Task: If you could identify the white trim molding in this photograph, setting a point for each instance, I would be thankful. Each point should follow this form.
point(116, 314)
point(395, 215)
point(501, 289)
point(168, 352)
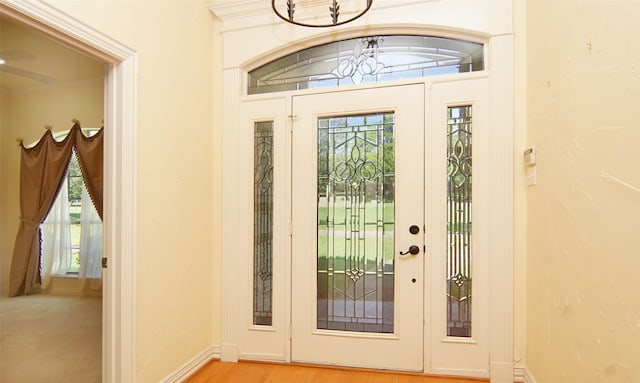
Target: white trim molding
point(501, 262)
point(118, 329)
point(193, 365)
point(523, 375)
point(490, 22)
point(230, 148)
point(120, 214)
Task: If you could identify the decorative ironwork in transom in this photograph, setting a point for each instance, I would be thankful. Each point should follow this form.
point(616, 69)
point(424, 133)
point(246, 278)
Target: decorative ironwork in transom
point(368, 59)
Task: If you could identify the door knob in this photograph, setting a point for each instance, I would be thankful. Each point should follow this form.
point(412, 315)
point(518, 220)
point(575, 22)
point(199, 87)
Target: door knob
point(413, 250)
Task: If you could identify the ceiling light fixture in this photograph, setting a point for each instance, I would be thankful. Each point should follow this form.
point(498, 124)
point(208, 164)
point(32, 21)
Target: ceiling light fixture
point(291, 11)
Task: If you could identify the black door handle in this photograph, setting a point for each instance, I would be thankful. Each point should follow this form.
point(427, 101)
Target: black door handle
point(413, 250)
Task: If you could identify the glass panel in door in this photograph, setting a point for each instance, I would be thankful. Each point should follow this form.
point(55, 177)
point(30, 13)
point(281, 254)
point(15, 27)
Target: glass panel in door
point(263, 223)
point(355, 222)
point(459, 220)
point(459, 212)
point(357, 293)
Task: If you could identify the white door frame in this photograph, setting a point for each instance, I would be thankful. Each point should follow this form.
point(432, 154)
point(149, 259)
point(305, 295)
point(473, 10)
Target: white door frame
point(444, 352)
point(404, 348)
point(271, 343)
point(488, 22)
point(120, 102)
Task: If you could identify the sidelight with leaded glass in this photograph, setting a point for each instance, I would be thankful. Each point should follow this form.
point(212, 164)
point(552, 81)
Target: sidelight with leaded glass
point(459, 220)
point(263, 223)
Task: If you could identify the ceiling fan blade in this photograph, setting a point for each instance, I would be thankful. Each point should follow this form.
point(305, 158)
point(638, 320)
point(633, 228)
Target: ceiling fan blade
point(26, 74)
point(15, 55)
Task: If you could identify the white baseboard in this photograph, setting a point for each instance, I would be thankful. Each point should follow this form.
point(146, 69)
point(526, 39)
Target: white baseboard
point(63, 285)
point(229, 352)
point(523, 375)
point(482, 374)
point(501, 372)
point(193, 365)
point(280, 358)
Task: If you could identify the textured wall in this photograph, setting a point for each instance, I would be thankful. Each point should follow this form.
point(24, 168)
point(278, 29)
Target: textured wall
point(583, 251)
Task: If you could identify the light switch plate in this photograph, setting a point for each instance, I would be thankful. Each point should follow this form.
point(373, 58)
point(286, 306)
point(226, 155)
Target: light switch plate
point(530, 156)
point(532, 176)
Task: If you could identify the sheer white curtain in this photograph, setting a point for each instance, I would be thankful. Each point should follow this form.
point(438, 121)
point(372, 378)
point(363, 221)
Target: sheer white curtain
point(56, 238)
point(90, 275)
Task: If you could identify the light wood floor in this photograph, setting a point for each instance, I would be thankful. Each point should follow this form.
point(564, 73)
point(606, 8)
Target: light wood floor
point(249, 372)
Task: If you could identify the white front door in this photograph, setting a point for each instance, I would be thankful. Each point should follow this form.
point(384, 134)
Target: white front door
point(358, 228)
point(376, 172)
point(375, 236)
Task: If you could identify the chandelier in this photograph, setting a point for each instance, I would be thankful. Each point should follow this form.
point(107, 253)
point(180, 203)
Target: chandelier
point(320, 13)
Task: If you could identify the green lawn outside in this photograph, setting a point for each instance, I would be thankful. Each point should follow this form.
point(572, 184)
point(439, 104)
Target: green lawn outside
point(371, 213)
point(74, 211)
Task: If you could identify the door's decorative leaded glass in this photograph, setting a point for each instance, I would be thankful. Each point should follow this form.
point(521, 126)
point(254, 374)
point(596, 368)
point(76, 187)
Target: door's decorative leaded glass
point(356, 223)
point(367, 59)
point(459, 221)
point(263, 223)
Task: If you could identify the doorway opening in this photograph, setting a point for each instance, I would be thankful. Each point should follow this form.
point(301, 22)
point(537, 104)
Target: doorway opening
point(118, 335)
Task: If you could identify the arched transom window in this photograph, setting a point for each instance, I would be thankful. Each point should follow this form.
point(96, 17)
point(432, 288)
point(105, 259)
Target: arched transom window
point(367, 59)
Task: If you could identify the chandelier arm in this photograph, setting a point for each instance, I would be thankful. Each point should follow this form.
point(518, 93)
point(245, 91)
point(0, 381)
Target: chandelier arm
point(333, 14)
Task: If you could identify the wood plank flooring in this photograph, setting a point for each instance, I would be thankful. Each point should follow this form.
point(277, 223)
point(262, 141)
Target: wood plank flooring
point(252, 372)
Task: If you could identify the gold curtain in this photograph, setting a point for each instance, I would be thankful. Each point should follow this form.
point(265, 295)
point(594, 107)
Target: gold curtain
point(42, 169)
point(90, 158)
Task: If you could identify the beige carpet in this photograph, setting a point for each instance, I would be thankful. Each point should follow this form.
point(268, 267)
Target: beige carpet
point(46, 338)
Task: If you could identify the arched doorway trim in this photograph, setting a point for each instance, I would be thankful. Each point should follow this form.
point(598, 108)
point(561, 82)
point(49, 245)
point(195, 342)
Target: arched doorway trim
point(355, 32)
point(372, 58)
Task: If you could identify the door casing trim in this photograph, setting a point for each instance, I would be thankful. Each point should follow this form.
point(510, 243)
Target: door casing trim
point(494, 27)
point(120, 106)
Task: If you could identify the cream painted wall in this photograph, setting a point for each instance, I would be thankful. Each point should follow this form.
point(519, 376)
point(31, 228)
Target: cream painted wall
point(583, 321)
point(218, 94)
point(5, 149)
point(178, 152)
point(24, 114)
